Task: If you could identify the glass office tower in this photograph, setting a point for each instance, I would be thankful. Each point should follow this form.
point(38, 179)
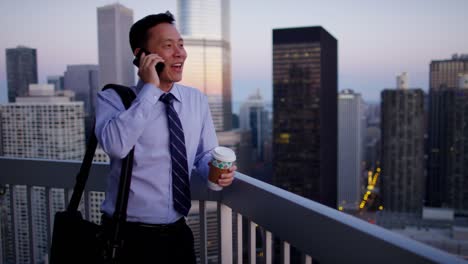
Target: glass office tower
point(447, 133)
point(204, 25)
point(305, 84)
point(402, 179)
point(21, 67)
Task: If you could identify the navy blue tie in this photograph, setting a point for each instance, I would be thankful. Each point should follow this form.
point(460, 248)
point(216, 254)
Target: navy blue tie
point(180, 176)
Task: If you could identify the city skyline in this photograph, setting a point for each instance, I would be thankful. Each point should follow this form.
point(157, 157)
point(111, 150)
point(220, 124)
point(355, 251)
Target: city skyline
point(296, 61)
point(375, 40)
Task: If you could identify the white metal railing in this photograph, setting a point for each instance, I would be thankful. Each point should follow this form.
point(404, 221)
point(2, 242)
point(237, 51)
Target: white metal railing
point(317, 231)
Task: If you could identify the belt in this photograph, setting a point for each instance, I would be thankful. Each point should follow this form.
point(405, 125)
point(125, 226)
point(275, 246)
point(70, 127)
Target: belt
point(179, 223)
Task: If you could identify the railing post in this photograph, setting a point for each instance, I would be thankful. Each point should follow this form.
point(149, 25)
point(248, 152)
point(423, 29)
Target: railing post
point(286, 253)
point(240, 254)
point(252, 243)
point(203, 236)
point(268, 248)
point(226, 234)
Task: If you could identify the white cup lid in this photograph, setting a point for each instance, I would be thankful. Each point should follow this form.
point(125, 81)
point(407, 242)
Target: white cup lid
point(224, 154)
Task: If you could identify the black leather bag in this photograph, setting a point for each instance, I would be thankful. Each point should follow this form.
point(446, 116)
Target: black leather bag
point(77, 240)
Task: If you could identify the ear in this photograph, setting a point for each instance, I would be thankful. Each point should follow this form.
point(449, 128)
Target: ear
point(135, 52)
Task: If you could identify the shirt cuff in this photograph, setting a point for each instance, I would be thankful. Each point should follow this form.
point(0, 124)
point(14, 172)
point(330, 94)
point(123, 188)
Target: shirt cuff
point(150, 93)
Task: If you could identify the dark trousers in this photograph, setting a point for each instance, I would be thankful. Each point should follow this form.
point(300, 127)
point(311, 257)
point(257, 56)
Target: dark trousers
point(171, 243)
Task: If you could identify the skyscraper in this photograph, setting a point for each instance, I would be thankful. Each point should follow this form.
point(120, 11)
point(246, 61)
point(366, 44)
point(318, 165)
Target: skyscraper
point(305, 112)
point(83, 80)
point(204, 25)
point(446, 136)
point(402, 126)
point(115, 56)
point(41, 125)
point(350, 149)
point(21, 70)
point(254, 117)
point(447, 175)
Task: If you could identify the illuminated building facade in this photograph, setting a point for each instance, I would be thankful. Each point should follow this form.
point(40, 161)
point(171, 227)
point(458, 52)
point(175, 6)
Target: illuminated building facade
point(305, 113)
point(204, 25)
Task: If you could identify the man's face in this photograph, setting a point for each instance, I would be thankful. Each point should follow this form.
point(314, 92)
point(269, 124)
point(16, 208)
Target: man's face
point(165, 40)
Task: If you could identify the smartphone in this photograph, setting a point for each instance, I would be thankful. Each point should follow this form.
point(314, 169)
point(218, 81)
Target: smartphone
point(136, 61)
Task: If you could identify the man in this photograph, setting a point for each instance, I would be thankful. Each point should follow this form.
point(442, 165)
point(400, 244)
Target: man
point(171, 127)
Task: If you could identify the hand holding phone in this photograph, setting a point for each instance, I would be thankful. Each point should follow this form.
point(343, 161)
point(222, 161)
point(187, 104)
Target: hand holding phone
point(136, 61)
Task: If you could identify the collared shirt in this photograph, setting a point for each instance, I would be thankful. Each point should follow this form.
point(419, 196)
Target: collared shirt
point(144, 125)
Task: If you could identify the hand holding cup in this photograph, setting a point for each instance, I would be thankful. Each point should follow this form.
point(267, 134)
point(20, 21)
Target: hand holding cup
point(221, 164)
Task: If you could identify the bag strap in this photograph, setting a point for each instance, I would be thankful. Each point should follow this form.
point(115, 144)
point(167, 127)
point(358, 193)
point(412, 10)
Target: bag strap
point(120, 212)
point(127, 96)
point(115, 242)
point(82, 175)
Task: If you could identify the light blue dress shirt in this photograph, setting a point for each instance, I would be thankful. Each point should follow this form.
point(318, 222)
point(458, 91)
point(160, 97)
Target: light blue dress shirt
point(144, 125)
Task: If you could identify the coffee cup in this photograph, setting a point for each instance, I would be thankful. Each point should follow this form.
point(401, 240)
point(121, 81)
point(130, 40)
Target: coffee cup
point(223, 159)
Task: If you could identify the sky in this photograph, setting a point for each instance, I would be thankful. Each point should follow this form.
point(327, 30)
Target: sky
point(377, 39)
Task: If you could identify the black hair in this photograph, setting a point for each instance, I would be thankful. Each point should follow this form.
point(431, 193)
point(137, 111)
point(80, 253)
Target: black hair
point(139, 31)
